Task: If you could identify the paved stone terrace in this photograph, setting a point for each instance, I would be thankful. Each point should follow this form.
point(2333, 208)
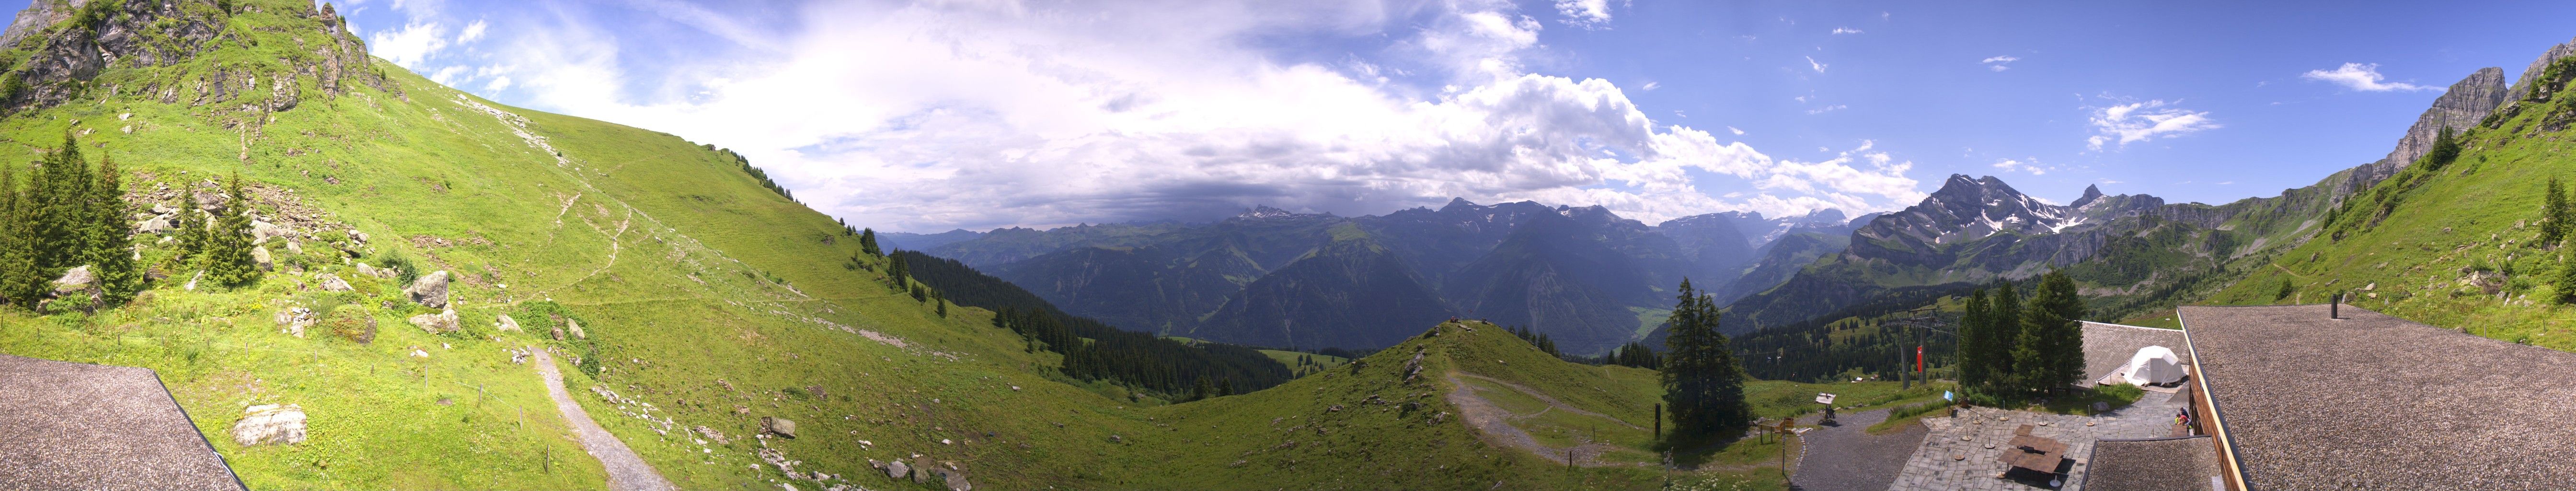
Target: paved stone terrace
point(1936, 466)
point(2371, 401)
point(82, 426)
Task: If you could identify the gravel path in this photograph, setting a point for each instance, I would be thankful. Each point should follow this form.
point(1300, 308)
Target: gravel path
point(626, 471)
point(1845, 457)
point(1494, 423)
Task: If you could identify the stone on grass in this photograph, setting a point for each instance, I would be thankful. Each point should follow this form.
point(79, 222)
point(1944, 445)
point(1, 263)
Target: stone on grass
point(778, 426)
point(333, 283)
point(270, 423)
point(294, 248)
point(75, 280)
point(509, 324)
point(575, 326)
point(260, 231)
point(156, 225)
point(897, 469)
point(444, 321)
point(921, 471)
point(430, 290)
point(956, 480)
point(260, 256)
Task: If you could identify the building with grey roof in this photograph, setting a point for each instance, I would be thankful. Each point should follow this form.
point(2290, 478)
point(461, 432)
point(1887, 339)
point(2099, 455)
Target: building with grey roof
point(2303, 401)
point(66, 426)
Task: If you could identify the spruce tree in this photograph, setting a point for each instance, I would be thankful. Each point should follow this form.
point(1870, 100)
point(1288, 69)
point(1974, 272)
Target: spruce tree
point(1974, 327)
point(940, 299)
point(868, 242)
point(899, 275)
point(20, 281)
point(2051, 351)
point(59, 195)
point(2566, 281)
point(228, 258)
point(2004, 370)
point(191, 232)
point(2553, 213)
point(111, 243)
point(1703, 384)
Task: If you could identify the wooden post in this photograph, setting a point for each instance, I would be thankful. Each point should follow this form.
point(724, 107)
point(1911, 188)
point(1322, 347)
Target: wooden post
point(1659, 421)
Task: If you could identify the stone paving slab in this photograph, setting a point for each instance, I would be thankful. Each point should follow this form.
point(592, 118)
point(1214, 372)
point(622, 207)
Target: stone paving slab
point(1937, 466)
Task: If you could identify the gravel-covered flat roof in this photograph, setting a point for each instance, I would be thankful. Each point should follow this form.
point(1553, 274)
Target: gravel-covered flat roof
point(2371, 401)
point(2108, 346)
point(82, 426)
point(2164, 464)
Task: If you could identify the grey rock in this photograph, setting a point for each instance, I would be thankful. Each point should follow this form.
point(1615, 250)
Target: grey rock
point(956, 480)
point(2522, 85)
point(270, 423)
point(212, 202)
point(157, 225)
point(576, 329)
point(509, 324)
point(778, 426)
point(444, 321)
point(163, 209)
point(75, 280)
point(429, 291)
point(921, 470)
point(294, 248)
point(261, 231)
point(898, 470)
point(333, 283)
point(260, 255)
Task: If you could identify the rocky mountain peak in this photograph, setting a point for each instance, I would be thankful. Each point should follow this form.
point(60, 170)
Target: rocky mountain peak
point(2469, 100)
point(2522, 85)
point(2091, 193)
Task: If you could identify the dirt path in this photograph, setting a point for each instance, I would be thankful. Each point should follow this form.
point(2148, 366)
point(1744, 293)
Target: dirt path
point(1844, 456)
point(626, 471)
point(1493, 423)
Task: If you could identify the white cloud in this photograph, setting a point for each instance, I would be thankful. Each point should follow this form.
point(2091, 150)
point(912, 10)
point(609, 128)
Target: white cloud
point(1650, 86)
point(473, 32)
point(1584, 14)
point(2141, 121)
point(1999, 63)
point(2362, 77)
point(408, 46)
point(1737, 131)
point(1846, 30)
point(1827, 109)
point(2030, 165)
point(498, 84)
point(1018, 115)
point(1811, 62)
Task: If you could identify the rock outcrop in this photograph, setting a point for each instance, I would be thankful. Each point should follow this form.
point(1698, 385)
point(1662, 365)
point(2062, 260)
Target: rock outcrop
point(77, 279)
point(442, 322)
point(2459, 108)
point(430, 290)
point(65, 56)
point(270, 424)
point(2522, 85)
point(333, 283)
point(507, 324)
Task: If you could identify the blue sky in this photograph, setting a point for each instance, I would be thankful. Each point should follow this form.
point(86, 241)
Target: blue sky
point(979, 114)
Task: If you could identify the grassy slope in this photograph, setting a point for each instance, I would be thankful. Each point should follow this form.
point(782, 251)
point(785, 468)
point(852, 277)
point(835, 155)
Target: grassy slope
point(2476, 213)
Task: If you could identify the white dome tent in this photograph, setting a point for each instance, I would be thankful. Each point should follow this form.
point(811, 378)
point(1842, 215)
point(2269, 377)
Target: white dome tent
point(2152, 365)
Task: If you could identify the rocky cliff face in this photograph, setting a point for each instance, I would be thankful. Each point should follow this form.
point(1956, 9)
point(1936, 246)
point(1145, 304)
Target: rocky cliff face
point(2522, 85)
point(2459, 108)
point(74, 42)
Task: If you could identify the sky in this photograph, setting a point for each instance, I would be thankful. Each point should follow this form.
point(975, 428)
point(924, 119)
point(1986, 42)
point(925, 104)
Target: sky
point(932, 115)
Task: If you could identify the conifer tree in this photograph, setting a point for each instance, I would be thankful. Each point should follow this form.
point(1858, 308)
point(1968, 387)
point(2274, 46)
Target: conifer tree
point(2051, 350)
point(59, 195)
point(20, 281)
point(897, 274)
point(868, 242)
point(941, 300)
point(1703, 384)
point(191, 232)
point(2566, 282)
point(228, 258)
point(111, 243)
point(2004, 369)
point(2553, 213)
point(1974, 327)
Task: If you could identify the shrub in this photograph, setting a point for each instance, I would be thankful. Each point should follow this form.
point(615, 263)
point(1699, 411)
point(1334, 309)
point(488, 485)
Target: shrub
point(353, 324)
point(404, 273)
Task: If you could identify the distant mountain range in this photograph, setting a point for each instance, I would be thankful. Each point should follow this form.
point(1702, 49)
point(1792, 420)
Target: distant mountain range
point(1587, 277)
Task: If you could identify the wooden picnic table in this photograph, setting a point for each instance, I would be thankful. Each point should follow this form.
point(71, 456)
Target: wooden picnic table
point(2040, 445)
point(2037, 462)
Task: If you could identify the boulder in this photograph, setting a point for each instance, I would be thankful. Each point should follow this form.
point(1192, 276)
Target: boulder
point(558, 334)
point(509, 324)
point(157, 225)
point(333, 283)
point(956, 480)
point(75, 280)
point(266, 262)
point(294, 248)
point(295, 320)
point(212, 202)
point(270, 423)
point(897, 469)
point(430, 290)
point(921, 470)
point(778, 426)
point(444, 321)
point(261, 231)
point(576, 329)
point(385, 273)
point(163, 209)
